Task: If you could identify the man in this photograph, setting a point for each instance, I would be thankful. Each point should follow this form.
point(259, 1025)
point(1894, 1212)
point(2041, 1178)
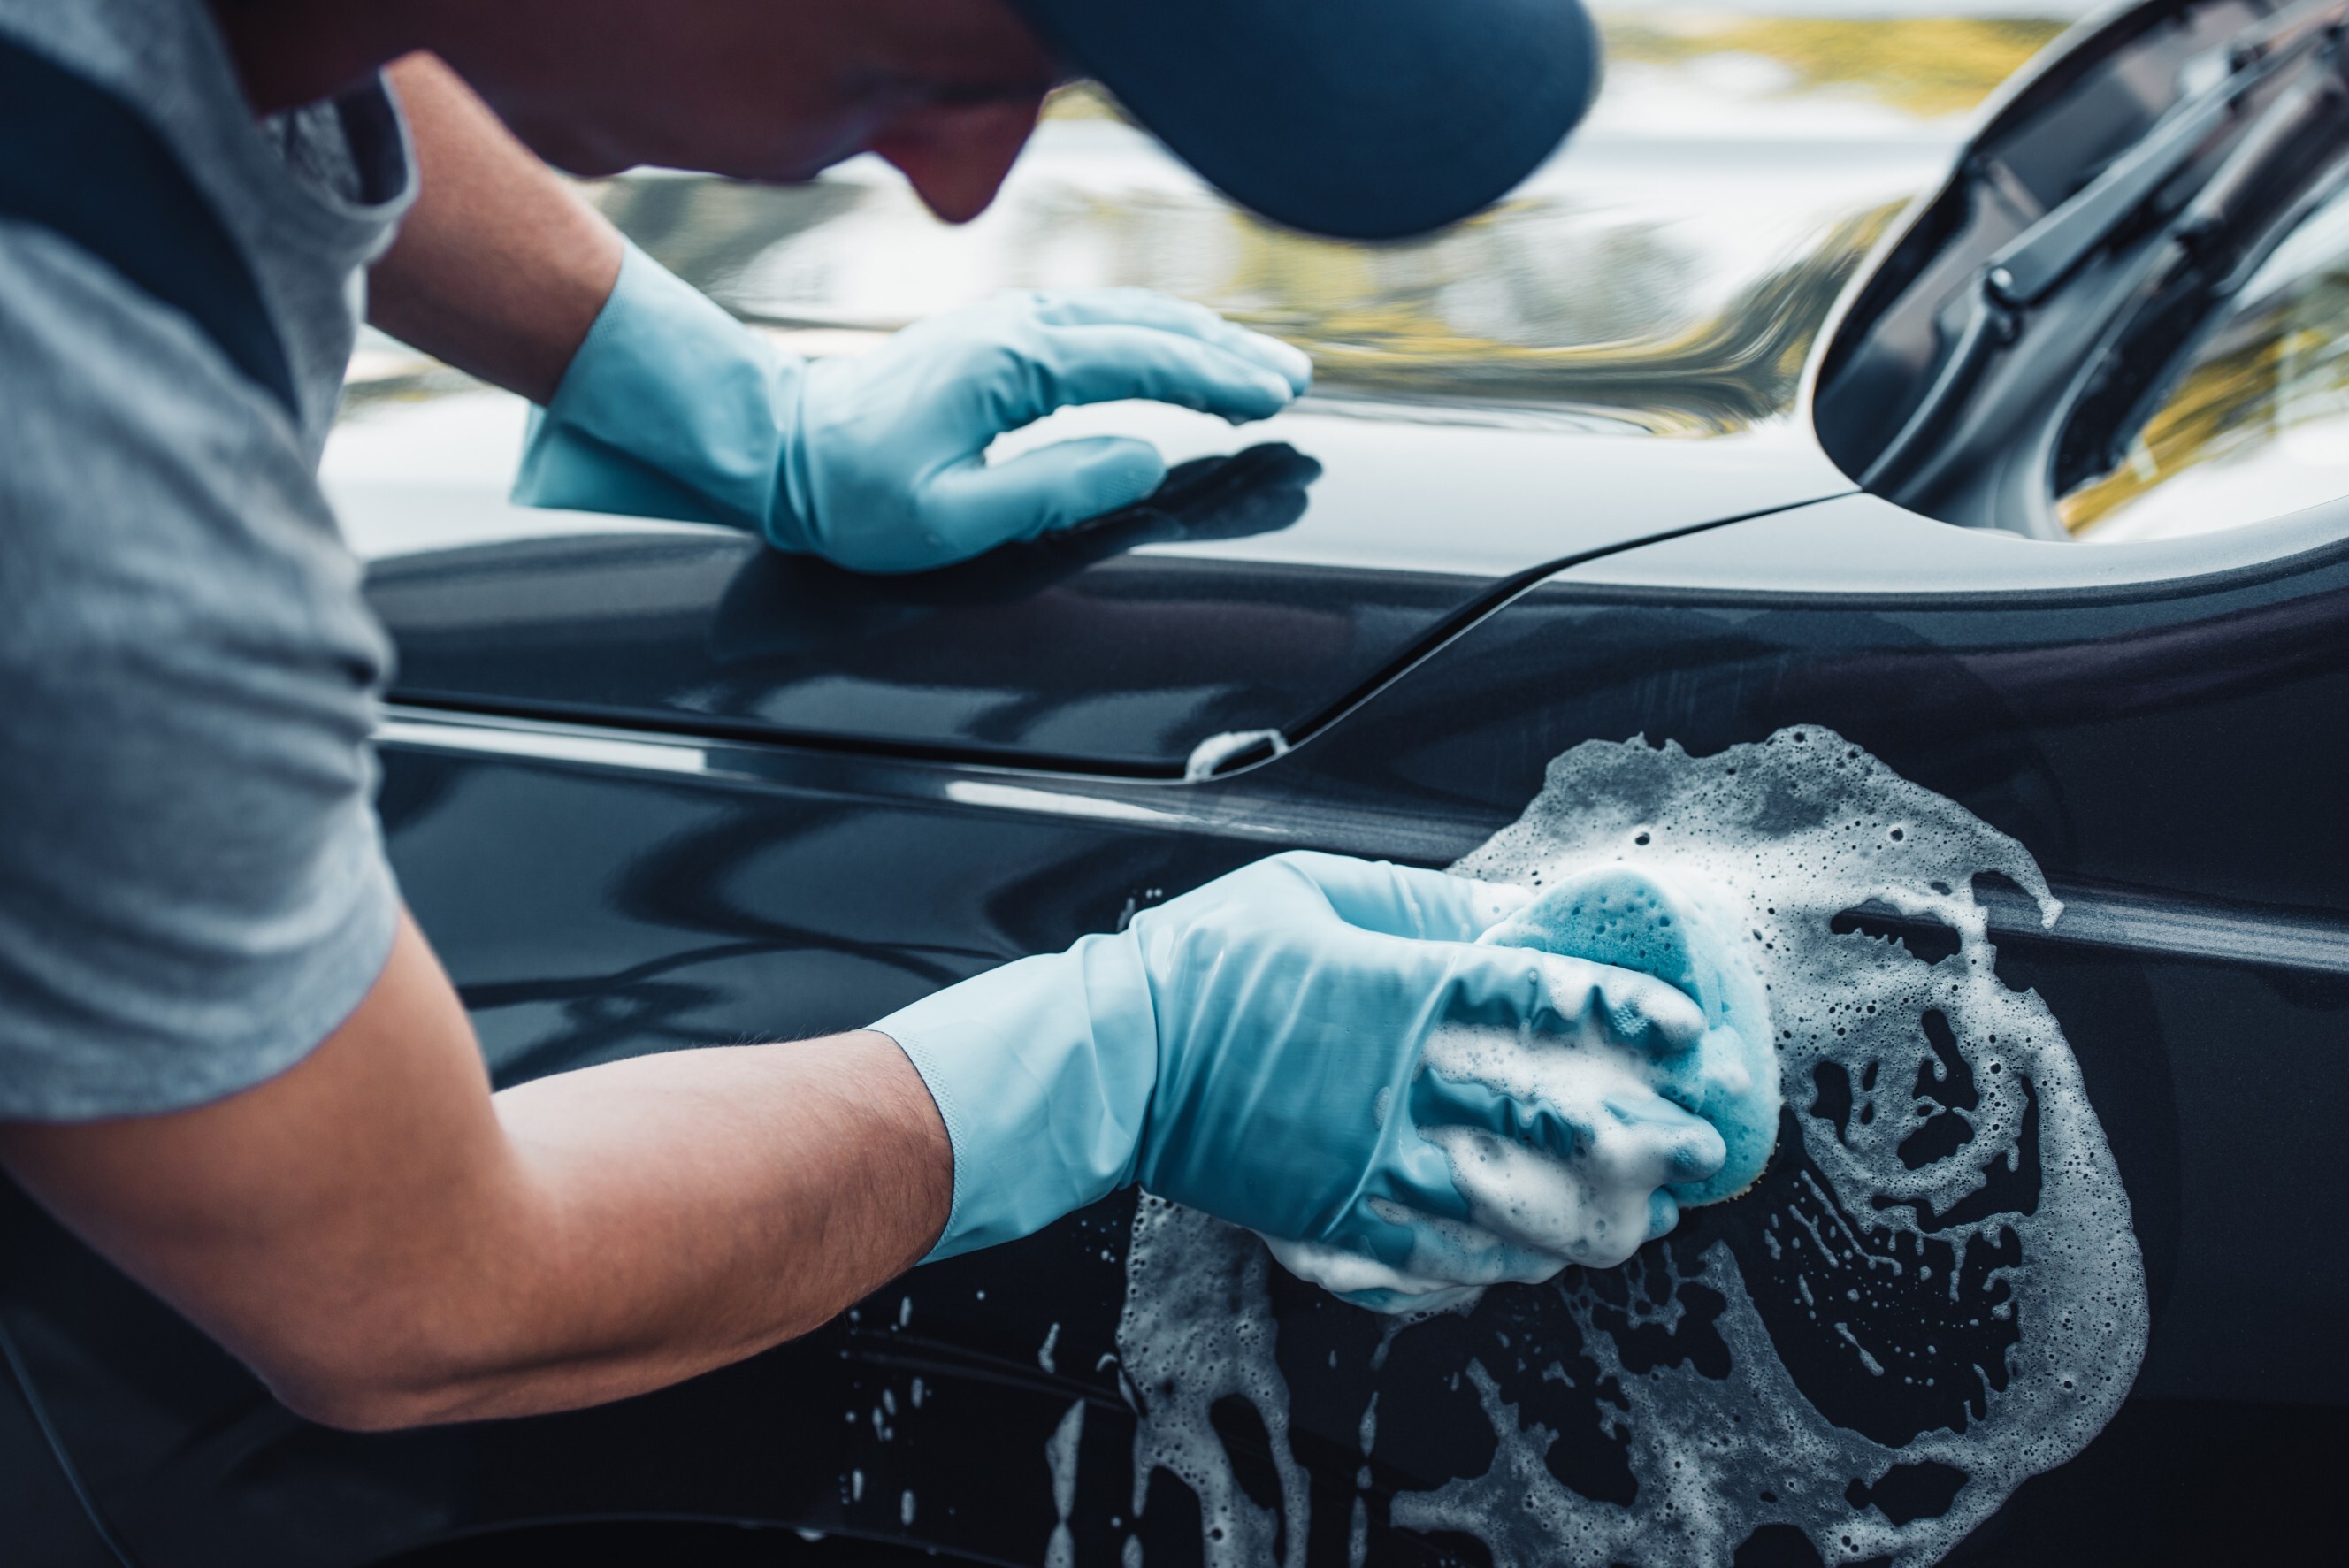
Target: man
point(230, 1062)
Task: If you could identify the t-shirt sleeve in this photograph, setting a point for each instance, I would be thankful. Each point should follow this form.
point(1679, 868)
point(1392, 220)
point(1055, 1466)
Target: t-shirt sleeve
point(192, 886)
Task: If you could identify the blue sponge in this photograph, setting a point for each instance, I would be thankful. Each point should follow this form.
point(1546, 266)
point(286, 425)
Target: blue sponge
point(1663, 926)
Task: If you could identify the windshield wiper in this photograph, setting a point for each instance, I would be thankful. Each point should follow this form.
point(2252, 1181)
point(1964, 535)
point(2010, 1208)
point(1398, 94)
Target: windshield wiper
point(2293, 162)
point(2041, 256)
point(2030, 266)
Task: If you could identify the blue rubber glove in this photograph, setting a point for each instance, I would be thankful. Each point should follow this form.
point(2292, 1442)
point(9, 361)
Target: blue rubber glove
point(1258, 1050)
point(672, 408)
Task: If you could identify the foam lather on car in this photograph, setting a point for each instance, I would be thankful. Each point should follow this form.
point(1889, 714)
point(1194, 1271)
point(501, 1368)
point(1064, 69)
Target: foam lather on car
point(1933, 1292)
point(1668, 927)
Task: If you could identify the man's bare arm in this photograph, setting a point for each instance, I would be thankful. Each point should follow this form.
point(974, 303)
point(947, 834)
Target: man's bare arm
point(388, 1244)
point(501, 267)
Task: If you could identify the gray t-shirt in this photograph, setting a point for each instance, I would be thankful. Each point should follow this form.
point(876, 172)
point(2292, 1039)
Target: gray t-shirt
point(192, 887)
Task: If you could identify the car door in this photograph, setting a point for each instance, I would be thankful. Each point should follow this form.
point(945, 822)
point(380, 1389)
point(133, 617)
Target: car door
point(2099, 707)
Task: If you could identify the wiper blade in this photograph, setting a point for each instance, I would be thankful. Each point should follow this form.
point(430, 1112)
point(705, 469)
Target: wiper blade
point(2293, 162)
point(2031, 264)
point(2028, 267)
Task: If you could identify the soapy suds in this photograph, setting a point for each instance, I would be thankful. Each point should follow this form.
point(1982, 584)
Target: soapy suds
point(1933, 1292)
point(1061, 1459)
point(1195, 1331)
point(1535, 1213)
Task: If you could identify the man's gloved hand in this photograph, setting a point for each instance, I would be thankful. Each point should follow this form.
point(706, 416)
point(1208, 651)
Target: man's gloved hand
point(672, 408)
point(1258, 1050)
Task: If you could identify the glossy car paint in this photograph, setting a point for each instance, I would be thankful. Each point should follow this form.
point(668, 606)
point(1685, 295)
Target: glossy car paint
point(1269, 587)
point(2160, 729)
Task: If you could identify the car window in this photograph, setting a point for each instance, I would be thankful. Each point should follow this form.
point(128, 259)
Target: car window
point(2258, 424)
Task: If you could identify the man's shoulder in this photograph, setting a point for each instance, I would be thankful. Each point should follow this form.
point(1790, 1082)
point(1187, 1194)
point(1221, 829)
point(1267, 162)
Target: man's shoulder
point(277, 213)
point(80, 162)
point(143, 478)
point(132, 47)
point(89, 359)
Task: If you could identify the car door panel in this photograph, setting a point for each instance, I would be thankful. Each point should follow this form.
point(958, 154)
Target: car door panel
point(602, 892)
point(1125, 668)
point(2203, 970)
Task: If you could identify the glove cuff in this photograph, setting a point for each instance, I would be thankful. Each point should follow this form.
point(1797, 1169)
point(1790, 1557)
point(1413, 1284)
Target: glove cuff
point(1043, 1071)
point(670, 408)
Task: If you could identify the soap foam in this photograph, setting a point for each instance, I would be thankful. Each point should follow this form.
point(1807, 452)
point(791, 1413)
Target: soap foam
point(1195, 1331)
point(1934, 1292)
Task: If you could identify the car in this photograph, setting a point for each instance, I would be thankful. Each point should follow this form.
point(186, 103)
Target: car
point(2010, 458)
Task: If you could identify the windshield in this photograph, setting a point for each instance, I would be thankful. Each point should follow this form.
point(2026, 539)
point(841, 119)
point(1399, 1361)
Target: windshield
point(2258, 425)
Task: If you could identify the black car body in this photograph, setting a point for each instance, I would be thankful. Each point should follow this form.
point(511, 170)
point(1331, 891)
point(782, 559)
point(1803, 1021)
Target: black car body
point(649, 786)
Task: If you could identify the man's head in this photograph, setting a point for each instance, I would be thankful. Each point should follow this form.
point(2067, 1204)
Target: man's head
point(947, 91)
point(1365, 118)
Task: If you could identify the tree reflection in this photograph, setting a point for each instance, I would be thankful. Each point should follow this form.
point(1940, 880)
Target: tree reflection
point(1551, 301)
point(1923, 65)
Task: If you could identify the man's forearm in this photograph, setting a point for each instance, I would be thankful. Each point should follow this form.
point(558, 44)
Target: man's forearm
point(501, 267)
point(388, 1245)
point(714, 1203)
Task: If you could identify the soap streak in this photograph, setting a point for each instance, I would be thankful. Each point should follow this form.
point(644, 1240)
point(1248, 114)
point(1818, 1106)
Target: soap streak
point(1061, 1459)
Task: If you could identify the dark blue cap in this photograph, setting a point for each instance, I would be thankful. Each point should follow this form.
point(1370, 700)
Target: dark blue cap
point(1365, 119)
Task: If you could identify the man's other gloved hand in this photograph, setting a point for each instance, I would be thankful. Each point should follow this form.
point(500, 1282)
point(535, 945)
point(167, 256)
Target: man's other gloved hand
point(1257, 1049)
point(672, 408)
